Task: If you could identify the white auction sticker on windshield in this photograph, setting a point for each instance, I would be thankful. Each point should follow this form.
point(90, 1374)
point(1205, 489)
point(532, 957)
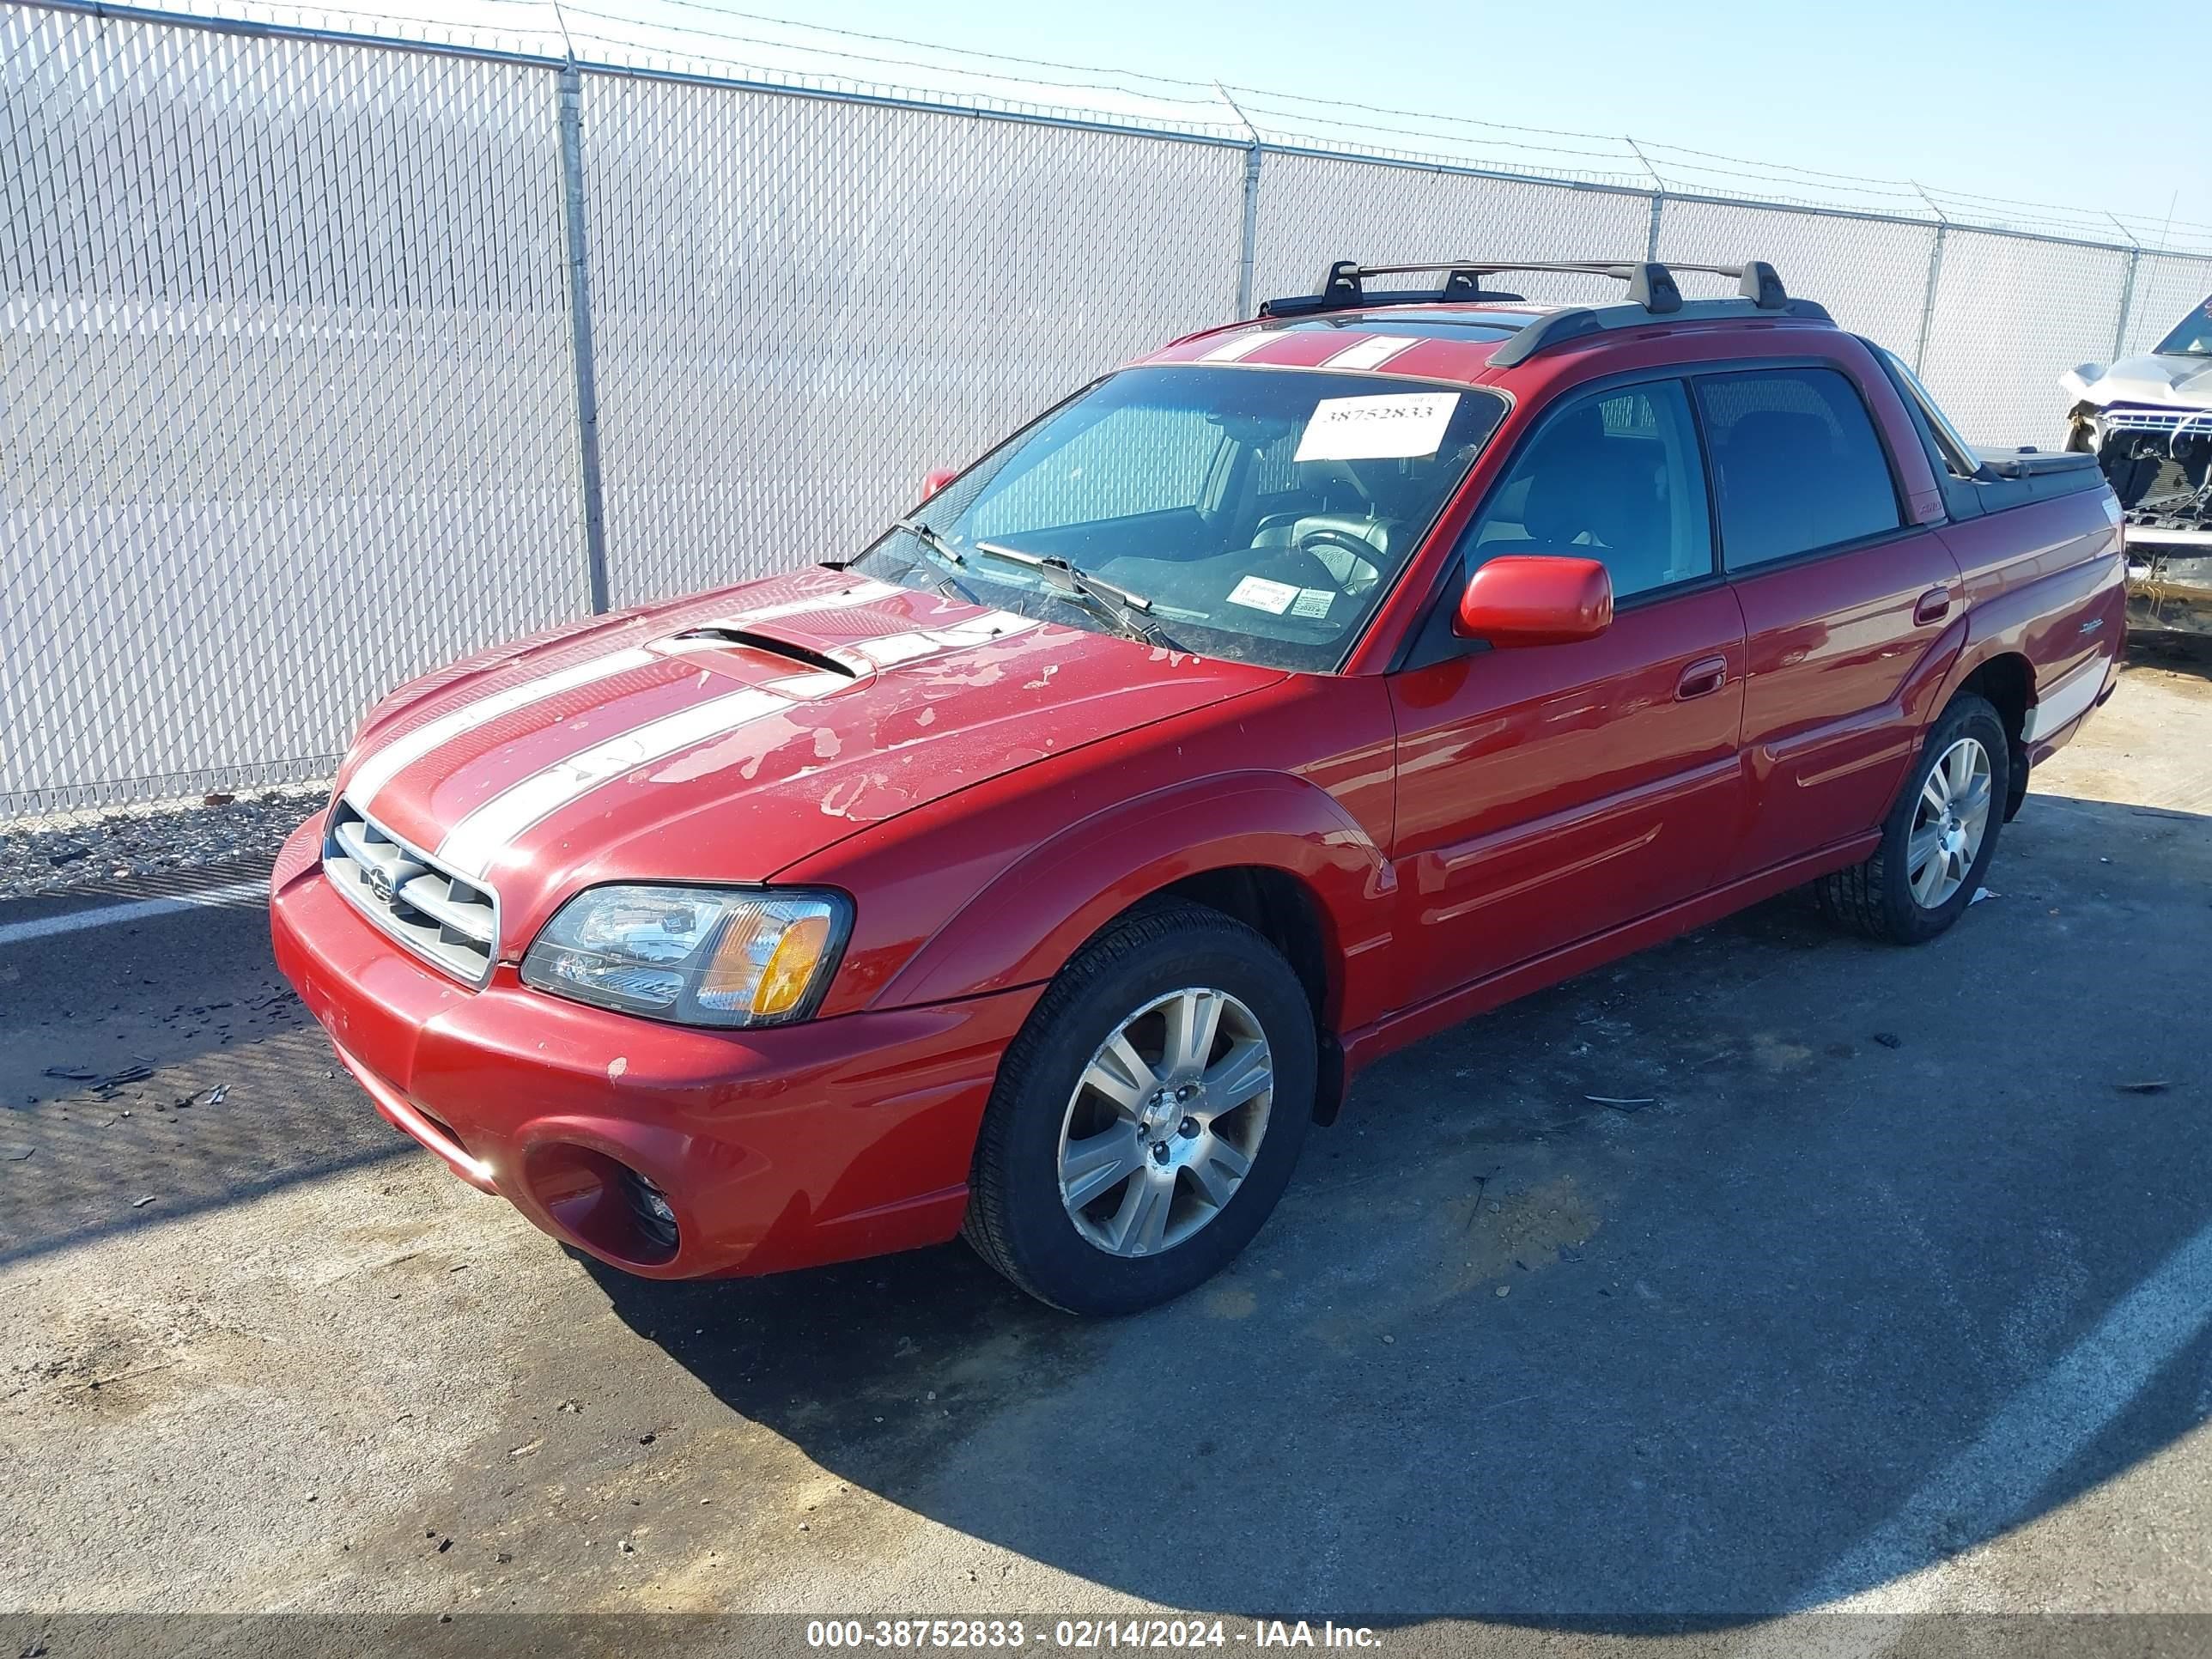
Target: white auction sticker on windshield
point(1376, 428)
point(1260, 594)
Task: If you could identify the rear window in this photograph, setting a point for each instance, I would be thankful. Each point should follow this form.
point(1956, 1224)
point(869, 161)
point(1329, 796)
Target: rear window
point(1796, 462)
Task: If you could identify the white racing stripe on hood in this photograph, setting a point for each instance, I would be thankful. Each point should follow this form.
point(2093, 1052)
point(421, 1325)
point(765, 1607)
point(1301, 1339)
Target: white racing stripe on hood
point(404, 750)
point(807, 688)
point(890, 650)
point(865, 591)
point(472, 844)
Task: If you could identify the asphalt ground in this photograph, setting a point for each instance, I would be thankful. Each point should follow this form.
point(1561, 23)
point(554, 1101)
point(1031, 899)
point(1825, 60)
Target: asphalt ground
point(1886, 1325)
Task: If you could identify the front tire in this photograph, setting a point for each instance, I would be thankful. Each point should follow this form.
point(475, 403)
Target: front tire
point(1147, 1116)
point(1938, 836)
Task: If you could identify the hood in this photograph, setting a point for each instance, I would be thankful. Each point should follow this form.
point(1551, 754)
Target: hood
point(725, 737)
point(2159, 381)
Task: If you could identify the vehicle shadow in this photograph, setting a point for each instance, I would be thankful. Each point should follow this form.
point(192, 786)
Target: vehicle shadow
point(2180, 651)
point(163, 1070)
point(1759, 1270)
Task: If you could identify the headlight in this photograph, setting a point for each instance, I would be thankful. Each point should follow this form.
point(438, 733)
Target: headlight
point(699, 955)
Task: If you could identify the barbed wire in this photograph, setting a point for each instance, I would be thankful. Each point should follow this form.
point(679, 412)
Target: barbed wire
point(719, 41)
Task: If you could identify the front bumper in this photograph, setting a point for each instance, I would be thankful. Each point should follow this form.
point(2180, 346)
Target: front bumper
point(781, 1148)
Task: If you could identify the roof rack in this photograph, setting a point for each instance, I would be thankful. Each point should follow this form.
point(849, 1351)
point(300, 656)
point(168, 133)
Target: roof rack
point(1651, 292)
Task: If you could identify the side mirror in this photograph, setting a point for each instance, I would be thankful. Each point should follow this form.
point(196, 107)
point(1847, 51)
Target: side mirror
point(936, 479)
point(1521, 599)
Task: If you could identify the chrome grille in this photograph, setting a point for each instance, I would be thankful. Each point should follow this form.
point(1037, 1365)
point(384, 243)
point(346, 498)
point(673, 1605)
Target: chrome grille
point(447, 921)
point(2174, 421)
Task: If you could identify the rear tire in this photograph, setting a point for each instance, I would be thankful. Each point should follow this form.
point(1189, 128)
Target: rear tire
point(1938, 836)
point(1057, 1203)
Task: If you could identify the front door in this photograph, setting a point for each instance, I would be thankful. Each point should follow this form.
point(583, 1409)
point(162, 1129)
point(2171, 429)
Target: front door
point(1547, 793)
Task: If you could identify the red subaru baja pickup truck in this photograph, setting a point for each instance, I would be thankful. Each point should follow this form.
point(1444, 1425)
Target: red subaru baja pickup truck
point(1045, 871)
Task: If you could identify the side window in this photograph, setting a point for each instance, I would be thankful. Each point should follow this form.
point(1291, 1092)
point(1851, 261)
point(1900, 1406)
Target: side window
point(1137, 459)
point(1612, 475)
point(1796, 463)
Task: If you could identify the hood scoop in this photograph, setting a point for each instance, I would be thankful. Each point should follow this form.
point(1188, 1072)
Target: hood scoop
point(753, 639)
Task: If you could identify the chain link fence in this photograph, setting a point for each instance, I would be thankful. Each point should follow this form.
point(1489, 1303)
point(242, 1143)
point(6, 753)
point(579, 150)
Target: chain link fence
point(324, 360)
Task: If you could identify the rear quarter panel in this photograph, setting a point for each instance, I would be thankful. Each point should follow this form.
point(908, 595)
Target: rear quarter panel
point(2047, 580)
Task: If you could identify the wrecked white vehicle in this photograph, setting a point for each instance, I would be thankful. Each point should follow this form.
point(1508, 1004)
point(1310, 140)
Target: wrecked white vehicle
point(2148, 422)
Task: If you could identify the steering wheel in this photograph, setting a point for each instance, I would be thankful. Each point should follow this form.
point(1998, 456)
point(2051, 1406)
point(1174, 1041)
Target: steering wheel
point(1364, 557)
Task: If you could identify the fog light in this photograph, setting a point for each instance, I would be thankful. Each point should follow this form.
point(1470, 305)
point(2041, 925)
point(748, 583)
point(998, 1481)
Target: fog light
point(649, 1208)
point(599, 1202)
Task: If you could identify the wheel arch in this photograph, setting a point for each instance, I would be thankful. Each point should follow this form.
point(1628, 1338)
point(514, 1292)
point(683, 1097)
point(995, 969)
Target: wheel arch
point(2006, 680)
point(1285, 911)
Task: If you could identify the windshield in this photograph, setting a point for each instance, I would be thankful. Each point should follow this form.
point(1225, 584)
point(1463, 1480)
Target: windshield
point(1254, 513)
point(2192, 337)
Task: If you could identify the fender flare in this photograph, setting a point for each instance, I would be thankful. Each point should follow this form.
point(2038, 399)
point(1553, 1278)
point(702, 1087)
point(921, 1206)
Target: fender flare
point(2001, 626)
point(1039, 911)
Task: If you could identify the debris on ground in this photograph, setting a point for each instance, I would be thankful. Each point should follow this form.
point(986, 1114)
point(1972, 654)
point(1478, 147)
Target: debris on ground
point(103, 1083)
point(15, 1151)
point(1621, 1103)
point(2158, 1087)
point(1889, 1039)
point(85, 849)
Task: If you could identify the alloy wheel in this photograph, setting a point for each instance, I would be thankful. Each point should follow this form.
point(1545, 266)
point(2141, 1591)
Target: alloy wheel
point(1952, 817)
point(1165, 1122)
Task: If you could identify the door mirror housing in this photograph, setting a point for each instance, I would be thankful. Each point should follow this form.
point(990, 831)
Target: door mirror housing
point(1521, 599)
point(936, 479)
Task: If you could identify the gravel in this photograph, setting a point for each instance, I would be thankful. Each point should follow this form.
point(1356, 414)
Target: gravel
point(92, 849)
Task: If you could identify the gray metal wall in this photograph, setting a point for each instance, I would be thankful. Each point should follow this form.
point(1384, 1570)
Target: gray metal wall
point(289, 404)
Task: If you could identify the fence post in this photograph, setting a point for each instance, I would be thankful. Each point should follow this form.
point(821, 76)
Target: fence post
point(1249, 239)
point(1928, 301)
point(1248, 243)
point(1651, 237)
point(579, 328)
point(2127, 304)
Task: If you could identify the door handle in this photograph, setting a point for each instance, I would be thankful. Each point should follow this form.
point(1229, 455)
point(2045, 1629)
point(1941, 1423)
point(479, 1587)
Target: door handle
point(1701, 678)
point(1935, 605)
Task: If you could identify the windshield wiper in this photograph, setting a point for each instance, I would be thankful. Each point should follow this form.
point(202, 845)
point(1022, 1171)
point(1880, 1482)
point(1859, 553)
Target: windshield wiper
point(930, 539)
point(945, 553)
point(1108, 599)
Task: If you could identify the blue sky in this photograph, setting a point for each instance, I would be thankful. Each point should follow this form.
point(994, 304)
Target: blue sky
point(2013, 101)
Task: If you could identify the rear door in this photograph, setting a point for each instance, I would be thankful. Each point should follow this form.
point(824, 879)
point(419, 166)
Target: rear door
point(1842, 598)
point(1546, 793)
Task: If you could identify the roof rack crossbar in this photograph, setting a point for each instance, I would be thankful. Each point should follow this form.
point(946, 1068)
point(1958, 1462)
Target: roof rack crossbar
point(1650, 284)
